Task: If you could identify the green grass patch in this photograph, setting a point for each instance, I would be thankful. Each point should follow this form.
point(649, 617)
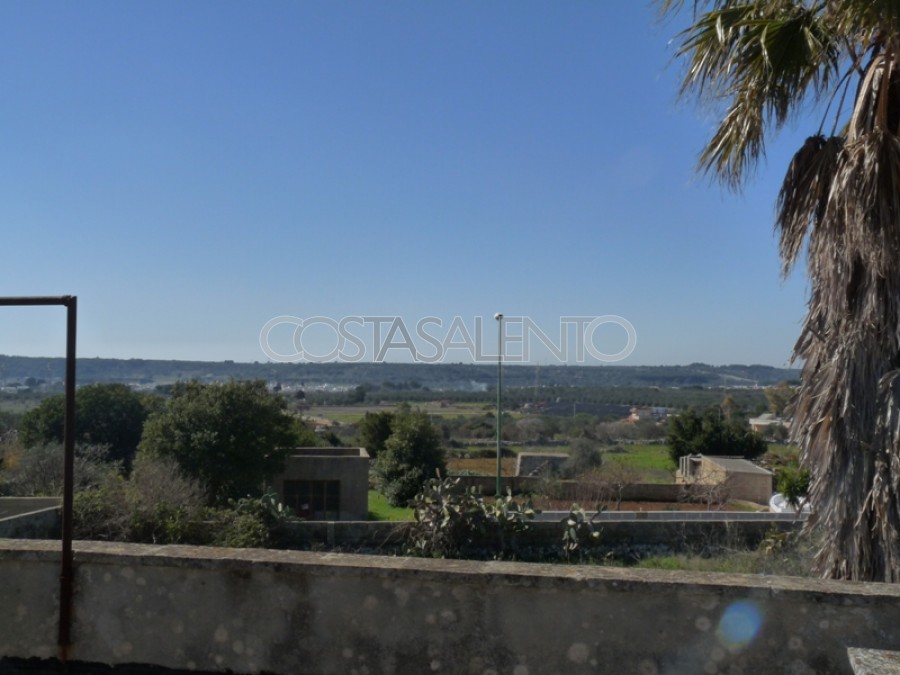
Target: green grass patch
point(379, 509)
point(453, 409)
point(781, 454)
point(652, 461)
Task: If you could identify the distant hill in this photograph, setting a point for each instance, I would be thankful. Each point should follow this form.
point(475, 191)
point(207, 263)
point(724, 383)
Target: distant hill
point(436, 377)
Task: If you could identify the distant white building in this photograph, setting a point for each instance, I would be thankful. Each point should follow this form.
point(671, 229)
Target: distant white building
point(655, 414)
point(766, 421)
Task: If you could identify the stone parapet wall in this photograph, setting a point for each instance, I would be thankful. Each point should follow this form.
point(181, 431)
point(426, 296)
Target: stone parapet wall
point(283, 612)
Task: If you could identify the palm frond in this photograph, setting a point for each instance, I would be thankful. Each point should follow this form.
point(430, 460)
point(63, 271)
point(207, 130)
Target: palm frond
point(865, 201)
point(763, 59)
point(804, 194)
point(840, 196)
point(876, 20)
point(848, 404)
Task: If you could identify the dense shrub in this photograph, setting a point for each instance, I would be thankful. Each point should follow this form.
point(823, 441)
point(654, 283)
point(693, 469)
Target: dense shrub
point(160, 505)
point(452, 522)
point(39, 470)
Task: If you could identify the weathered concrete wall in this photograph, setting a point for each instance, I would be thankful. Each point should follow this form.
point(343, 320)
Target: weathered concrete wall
point(348, 466)
point(293, 612)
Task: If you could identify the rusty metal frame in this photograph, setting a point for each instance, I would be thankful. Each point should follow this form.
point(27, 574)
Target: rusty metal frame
point(70, 302)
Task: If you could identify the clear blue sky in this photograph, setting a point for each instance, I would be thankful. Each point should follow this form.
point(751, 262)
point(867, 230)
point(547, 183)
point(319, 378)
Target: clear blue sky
point(191, 170)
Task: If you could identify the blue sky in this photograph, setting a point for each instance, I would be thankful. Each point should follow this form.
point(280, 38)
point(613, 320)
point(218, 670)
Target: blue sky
point(192, 170)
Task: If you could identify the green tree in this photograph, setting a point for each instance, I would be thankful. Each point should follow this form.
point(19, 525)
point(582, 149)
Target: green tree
point(709, 434)
point(759, 62)
point(792, 482)
point(44, 424)
point(110, 415)
point(373, 431)
point(231, 437)
point(412, 455)
point(305, 435)
point(685, 435)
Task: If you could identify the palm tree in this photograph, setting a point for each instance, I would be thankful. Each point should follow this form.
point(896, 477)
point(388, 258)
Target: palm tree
point(840, 203)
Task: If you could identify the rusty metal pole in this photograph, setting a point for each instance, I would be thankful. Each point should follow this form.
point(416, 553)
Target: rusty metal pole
point(66, 575)
point(499, 317)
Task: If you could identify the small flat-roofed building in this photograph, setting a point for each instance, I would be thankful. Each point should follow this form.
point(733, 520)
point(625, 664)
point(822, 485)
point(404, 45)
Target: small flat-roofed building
point(325, 483)
point(745, 480)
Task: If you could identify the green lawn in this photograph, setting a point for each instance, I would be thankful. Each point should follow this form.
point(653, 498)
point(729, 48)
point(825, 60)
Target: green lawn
point(379, 509)
point(651, 460)
point(782, 453)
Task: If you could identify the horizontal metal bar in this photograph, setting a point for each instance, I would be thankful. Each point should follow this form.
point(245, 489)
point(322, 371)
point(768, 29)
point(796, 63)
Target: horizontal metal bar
point(36, 300)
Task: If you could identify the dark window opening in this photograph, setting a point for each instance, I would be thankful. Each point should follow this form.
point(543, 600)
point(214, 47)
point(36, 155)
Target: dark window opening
point(314, 499)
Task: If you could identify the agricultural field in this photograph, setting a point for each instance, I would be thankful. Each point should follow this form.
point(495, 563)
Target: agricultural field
point(482, 466)
point(652, 461)
point(347, 414)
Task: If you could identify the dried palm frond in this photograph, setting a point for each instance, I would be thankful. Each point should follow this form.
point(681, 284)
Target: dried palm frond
point(850, 344)
point(804, 194)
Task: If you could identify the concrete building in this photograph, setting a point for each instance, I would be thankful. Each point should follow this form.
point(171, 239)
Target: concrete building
point(326, 483)
point(743, 479)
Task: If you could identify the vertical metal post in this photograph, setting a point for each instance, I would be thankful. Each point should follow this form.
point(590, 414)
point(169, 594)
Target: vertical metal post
point(66, 574)
point(499, 318)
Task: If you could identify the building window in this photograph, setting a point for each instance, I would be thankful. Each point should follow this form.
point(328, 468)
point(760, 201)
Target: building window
point(314, 499)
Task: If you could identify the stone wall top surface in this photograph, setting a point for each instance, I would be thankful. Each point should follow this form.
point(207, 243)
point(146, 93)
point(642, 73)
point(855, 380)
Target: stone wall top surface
point(511, 573)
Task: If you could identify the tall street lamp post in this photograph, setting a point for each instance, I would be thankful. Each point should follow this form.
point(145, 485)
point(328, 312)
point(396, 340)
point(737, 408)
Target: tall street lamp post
point(499, 317)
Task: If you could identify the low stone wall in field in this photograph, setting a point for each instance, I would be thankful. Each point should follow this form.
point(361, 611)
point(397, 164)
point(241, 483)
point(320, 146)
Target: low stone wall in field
point(637, 492)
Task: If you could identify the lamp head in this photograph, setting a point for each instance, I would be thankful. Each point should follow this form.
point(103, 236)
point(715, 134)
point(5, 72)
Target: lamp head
point(498, 316)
